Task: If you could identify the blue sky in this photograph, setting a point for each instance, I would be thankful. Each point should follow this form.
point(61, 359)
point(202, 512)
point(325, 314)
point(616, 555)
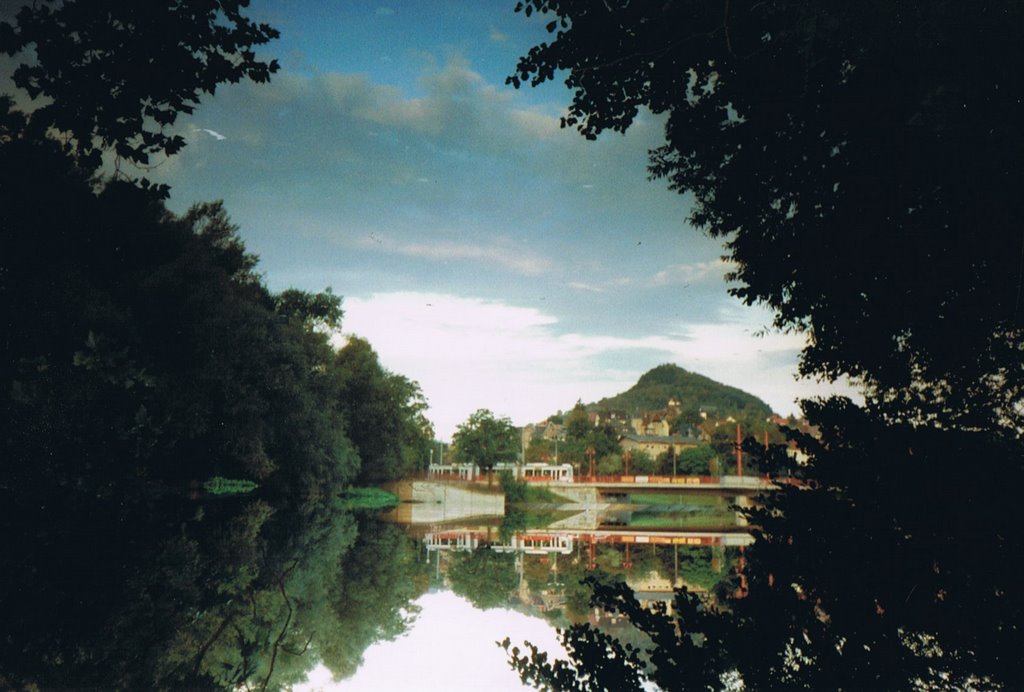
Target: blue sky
point(496, 259)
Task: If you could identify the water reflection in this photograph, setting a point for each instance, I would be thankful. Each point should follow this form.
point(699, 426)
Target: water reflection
point(152, 586)
point(451, 646)
point(535, 559)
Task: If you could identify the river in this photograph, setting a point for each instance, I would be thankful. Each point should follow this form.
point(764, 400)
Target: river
point(156, 587)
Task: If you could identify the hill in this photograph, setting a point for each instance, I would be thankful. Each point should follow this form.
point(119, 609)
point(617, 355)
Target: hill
point(655, 387)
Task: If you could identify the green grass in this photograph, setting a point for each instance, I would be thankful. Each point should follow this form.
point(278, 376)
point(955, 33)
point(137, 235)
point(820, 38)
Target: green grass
point(218, 485)
point(538, 494)
point(691, 499)
point(368, 498)
point(519, 492)
point(678, 521)
point(517, 519)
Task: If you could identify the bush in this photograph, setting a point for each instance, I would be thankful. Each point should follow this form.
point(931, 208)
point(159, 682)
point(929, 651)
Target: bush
point(515, 491)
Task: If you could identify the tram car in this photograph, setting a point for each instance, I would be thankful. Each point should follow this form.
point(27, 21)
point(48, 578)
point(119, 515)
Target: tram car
point(531, 473)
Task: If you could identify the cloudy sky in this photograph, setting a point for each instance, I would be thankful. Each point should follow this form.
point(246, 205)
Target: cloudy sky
point(496, 259)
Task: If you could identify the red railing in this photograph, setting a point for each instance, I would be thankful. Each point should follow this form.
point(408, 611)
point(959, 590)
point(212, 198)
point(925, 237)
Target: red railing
point(638, 478)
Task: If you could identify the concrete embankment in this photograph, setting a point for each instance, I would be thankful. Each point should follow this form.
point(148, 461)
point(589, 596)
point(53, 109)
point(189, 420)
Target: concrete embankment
point(576, 494)
point(431, 502)
point(585, 504)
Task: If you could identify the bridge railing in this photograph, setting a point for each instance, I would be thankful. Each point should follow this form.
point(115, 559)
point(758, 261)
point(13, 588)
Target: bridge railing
point(640, 479)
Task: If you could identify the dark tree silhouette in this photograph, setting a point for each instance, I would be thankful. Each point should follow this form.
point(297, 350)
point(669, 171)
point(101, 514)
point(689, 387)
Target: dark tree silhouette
point(859, 160)
point(115, 76)
point(143, 355)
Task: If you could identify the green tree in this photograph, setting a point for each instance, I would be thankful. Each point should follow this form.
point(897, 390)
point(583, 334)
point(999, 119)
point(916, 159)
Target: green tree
point(485, 440)
point(384, 414)
point(577, 423)
point(609, 465)
point(581, 435)
point(641, 461)
point(695, 460)
point(539, 451)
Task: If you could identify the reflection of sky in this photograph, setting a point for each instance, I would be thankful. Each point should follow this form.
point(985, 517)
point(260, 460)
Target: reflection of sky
point(388, 160)
point(451, 646)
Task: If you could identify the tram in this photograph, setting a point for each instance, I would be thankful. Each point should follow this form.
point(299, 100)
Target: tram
point(532, 473)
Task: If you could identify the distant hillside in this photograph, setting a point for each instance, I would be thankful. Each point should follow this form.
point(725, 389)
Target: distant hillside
point(655, 387)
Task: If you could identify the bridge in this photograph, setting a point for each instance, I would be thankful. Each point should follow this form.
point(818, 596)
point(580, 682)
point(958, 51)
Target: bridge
point(562, 476)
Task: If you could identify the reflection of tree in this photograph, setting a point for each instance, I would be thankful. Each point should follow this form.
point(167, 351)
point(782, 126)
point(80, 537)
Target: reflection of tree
point(370, 595)
point(485, 577)
point(218, 602)
point(241, 594)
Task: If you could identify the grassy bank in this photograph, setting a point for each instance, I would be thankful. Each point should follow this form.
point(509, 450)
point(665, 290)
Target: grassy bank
point(522, 493)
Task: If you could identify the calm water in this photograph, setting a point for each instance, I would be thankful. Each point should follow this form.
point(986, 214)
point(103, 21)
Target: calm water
point(170, 587)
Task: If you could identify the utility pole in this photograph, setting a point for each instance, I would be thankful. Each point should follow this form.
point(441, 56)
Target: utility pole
point(739, 452)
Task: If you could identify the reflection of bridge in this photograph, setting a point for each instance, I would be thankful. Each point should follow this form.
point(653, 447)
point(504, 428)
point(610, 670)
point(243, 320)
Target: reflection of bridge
point(532, 543)
point(606, 484)
point(562, 541)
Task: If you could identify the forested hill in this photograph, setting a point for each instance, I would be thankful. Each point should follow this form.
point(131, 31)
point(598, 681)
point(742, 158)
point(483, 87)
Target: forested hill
point(655, 387)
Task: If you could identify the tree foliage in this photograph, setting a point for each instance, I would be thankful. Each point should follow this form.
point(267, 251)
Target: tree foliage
point(696, 460)
point(485, 440)
point(581, 435)
point(116, 76)
point(384, 414)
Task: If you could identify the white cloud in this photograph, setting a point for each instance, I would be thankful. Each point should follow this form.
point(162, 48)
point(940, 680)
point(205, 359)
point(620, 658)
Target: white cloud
point(469, 353)
point(515, 259)
point(692, 272)
point(458, 110)
point(582, 286)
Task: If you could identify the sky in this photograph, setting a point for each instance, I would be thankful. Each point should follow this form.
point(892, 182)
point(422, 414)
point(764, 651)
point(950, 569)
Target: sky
point(496, 259)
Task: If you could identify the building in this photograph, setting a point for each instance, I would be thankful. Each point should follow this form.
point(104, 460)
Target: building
point(656, 444)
